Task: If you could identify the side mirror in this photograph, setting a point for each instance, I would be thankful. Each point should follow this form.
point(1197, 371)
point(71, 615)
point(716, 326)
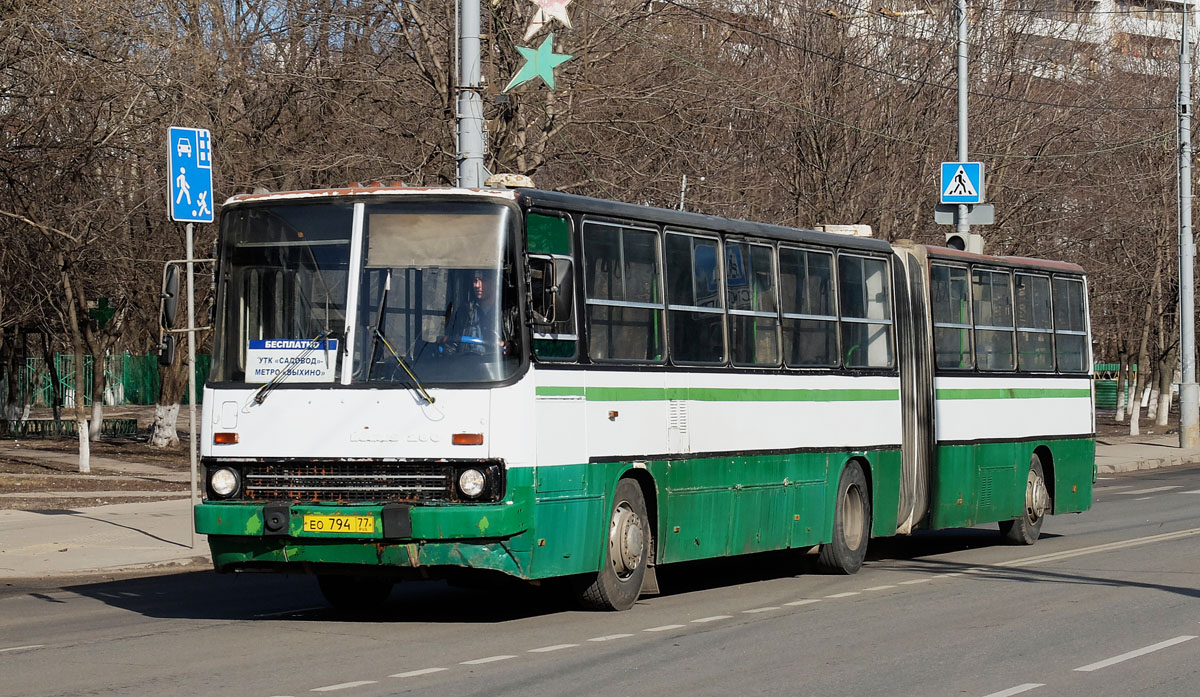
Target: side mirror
point(166, 350)
point(553, 292)
point(170, 296)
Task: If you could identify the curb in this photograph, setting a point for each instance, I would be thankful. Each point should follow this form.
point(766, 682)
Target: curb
point(1145, 464)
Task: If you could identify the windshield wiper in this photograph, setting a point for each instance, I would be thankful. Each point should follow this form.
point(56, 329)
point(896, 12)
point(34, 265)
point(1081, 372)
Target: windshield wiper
point(321, 339)
point(377, 334)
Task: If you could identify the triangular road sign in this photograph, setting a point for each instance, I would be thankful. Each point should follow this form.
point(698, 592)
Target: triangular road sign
point(959, 185)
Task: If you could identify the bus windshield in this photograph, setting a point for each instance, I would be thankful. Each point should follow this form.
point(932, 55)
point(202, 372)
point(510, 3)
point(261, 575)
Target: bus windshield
point(284, 272)
point(437, 295)
point(436, 299)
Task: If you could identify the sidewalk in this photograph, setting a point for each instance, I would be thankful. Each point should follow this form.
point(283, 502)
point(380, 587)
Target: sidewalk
point(157, 534)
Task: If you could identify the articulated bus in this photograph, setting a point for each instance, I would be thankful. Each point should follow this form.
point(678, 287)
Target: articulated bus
point(415, 383)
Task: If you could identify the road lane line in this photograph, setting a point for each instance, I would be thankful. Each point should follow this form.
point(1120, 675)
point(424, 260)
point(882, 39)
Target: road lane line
point(610, 637)
point(877, 588)
point(714, 618)
point(806, 601)
point(915, 581)
point(556, 647)
point(1153, 490)
point(481, 661)
point(343, 686)
point(1144, 498)
point(664, 628)
point(24, 648)
point(1110, 546)
point(415, 673)
point(1193, 491)
point(757, 610)
point(1017, 690)
point(843, 595)
point(1134, 654)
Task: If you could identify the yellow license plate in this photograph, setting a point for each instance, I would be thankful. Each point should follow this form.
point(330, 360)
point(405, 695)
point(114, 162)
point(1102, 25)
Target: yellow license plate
point(339, 523)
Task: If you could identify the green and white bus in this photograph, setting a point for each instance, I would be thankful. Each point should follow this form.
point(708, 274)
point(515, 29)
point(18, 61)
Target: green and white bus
point(415, 383)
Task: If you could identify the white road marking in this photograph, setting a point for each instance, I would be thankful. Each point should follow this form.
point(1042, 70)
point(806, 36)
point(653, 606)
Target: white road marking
point(610, 637)
point(664, 628)
point(489, 659)
point(1134, 654)
point(760, 609)
point(1154, 490)
point(23, 648)
point(415, 673)
point(843, 595)
point(556, 647)
point(915, 581)
point(806, 601)
point(1137, 541)
point(284, 613)
point(1016, 690)
point(714, 618)
point(1193, 491)
point(343, 686)
point(1143, 498)
point(877, 588)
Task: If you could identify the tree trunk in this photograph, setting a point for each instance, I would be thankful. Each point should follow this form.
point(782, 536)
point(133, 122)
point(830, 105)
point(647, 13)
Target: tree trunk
point(1166, 372)
point(164, 432)
point(1123, 374)
point(1152, 406)
point(56, 401)
point(81, 416)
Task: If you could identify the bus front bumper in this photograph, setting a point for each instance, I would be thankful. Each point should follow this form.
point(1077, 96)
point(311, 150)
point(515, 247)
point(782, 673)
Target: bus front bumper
point(272, 537)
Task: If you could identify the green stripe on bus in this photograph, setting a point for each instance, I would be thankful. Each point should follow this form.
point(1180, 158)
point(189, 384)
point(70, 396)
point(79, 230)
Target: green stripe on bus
point(716, 394)
point(1015, 393)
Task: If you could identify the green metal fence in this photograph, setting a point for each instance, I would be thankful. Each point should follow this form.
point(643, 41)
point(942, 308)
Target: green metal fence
point(129, 380)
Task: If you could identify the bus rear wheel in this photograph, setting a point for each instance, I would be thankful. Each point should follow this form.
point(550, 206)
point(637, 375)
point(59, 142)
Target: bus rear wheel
point(1028, 528)
point(629, 542)
point(851, 524)
point(354, 595)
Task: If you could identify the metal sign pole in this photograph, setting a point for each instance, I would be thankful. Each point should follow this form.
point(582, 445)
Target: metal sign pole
point(191, 368)
point(963, 227)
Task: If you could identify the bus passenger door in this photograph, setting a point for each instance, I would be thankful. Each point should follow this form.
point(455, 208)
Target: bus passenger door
point(916, 384)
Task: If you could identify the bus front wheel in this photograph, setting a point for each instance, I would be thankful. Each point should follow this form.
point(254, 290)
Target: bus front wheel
point(1028, 528)
point(629, 542)
point(354, 595)
point(851, 524)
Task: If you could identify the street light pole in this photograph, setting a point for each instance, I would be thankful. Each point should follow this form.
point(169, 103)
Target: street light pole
point(1189, 407)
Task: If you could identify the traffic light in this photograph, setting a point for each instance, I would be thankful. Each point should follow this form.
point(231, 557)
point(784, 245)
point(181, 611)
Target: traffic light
point(969, 242)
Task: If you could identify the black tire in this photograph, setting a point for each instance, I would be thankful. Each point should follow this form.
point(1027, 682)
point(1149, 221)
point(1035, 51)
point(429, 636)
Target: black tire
point(354, 595)
point(1028, 528)
point(851, 524)
point(628, 543)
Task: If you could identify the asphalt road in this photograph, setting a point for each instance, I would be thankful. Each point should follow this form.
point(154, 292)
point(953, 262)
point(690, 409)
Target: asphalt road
point(1104, 604)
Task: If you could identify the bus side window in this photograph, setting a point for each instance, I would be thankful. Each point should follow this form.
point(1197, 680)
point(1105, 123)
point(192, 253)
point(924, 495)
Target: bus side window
point(864, 297)
point(1070, 329)
point(951, 306)
point(1035, 326)
point(695, 297)
point(752, 306)
point(623, 292)
point(992, 307)
point(552, 286)
point(810, 336)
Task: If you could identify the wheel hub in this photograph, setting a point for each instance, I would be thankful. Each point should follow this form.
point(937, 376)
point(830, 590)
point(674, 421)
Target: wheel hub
point(625, 541)
point(1037, 498)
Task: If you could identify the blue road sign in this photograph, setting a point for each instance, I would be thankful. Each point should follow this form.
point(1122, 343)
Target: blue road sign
point(962, 182)
point(191, 188)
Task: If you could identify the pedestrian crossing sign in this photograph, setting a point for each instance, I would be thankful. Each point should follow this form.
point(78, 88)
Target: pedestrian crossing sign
point(190, 156)
point(962, 182)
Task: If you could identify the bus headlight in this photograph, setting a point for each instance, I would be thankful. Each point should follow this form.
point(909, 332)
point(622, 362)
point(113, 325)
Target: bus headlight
point(471, 483)
point(224, 481)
